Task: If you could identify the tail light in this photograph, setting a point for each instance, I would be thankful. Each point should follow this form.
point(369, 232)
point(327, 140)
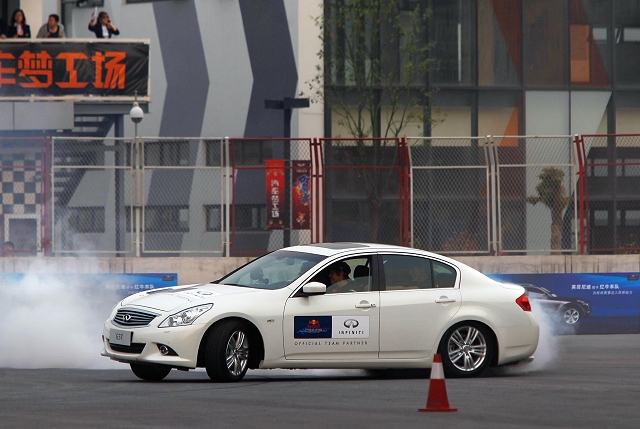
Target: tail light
point(523, 302)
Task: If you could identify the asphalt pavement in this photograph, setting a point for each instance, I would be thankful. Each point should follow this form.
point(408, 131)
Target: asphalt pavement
point(583, 381)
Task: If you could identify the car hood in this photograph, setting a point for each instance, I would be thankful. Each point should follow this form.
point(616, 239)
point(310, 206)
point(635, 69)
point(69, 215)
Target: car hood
point(167, 299)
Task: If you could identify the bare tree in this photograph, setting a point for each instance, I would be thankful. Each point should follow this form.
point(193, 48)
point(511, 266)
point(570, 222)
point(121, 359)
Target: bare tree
point(374, 82)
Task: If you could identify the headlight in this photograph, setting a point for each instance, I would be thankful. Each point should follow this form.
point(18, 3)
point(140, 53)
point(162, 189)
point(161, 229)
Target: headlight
point(185, 317)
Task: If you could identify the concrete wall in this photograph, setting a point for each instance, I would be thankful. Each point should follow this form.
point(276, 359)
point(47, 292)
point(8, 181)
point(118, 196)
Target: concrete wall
point(197, 270)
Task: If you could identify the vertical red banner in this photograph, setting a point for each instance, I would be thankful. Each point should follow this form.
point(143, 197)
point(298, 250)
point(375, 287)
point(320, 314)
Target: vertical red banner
point(275, 194)
point(300, 194)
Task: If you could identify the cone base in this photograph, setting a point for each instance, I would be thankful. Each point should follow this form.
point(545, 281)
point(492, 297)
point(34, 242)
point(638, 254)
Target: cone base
point(428, 410)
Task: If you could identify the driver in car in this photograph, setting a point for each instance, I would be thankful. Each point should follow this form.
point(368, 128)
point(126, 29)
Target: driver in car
point(339, 277)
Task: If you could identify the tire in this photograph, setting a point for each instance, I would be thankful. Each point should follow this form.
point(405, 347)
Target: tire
point(571, 316)
point(227, 352)
point(150, 372)
point(467, 349)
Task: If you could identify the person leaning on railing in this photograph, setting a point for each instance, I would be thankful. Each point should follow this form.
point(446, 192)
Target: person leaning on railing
point(103, 27)
point(51, 29)
point(18, 26)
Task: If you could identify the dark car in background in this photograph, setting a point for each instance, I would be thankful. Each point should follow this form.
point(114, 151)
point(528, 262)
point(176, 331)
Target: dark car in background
point(566, 311)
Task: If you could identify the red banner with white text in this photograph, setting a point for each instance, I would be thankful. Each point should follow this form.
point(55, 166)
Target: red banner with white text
point(275, 194)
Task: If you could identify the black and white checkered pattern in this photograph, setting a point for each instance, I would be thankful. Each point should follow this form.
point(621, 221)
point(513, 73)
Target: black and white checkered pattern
point(21, 180)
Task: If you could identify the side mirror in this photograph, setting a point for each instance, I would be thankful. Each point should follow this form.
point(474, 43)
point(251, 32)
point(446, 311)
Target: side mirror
point(314, 288)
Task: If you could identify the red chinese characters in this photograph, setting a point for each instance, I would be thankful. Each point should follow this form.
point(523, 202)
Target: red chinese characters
point(43, 69)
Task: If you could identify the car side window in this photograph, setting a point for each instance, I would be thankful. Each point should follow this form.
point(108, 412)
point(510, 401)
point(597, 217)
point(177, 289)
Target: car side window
point(403, 272)
point(443, 275)
point(347, 275)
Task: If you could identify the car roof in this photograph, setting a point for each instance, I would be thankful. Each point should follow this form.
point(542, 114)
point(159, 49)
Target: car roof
point(330, 249)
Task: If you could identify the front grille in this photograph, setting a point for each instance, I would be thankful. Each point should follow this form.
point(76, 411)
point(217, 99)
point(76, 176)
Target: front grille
point(129, 317)
point(134, 348)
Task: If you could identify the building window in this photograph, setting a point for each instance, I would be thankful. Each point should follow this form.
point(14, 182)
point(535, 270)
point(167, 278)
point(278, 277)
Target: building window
point(86, 219)
point(545, 44)
point(250, 217)
point(214, 218)
point(213, 150)
point(163, 219)
point(166, 153)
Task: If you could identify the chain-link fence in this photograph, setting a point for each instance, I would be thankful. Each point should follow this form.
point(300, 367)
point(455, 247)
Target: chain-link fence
point(365, 197)
point(183, 188)
point(91, 187)
point(537, 199)
point(449, 195)
point(610, 215)
point(271, 204)
point(155, 196)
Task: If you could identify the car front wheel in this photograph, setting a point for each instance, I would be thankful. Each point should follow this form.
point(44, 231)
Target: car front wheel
point(466, 350)
point(150, 372)
point(571, 315)
point(227, 353)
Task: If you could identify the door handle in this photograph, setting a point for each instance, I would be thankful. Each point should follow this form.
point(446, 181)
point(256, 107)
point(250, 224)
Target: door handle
point(445, 300)
point(365, 305)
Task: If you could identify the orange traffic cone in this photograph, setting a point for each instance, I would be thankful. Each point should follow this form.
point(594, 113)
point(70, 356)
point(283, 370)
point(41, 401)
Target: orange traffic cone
point(437, 399)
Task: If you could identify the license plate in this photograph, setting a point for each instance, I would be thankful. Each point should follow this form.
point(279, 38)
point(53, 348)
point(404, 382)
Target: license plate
point(117, 336)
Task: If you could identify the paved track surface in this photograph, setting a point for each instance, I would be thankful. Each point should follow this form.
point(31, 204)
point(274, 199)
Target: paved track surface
point(592, 382)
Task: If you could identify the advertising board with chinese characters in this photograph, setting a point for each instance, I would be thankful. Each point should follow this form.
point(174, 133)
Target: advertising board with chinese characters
point(74, 69)
point(613, 298)
point(121, 285)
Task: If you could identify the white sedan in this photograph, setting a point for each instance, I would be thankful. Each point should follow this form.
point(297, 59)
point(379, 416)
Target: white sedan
point(330, 305)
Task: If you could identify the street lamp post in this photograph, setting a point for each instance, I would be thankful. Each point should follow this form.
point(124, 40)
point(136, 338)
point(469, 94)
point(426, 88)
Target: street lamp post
point(136, 115)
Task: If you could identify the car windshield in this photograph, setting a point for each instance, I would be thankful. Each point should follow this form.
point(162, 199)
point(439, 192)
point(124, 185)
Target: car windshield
point(272, 271)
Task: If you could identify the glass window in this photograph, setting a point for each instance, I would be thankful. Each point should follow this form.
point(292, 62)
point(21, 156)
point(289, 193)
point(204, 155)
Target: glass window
point(250, 217)
point(348, 275)
point(627, 41)
point(589, 48)
point(272, 271)
point(499, 43)
point(632, 217)
point(452, 29)
point(600, 217)
point(170, 153)
point(452, 117)
point(632, 170)
point(407, 272)
point(443, 275)
point(545, 43)
point(86, 219)
point(213, 218)
point(499, 114)
point(213, 150)
point(163, 219)
point(628, 111)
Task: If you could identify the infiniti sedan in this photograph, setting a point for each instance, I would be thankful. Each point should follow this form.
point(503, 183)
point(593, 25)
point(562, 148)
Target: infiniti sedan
point(328, 305)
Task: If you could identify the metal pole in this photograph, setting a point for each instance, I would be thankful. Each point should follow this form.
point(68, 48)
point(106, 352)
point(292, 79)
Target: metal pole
point(136, 168)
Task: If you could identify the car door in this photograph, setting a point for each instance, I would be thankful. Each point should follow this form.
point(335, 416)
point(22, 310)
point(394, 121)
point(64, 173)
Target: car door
point(418, 298)
point(335, 326)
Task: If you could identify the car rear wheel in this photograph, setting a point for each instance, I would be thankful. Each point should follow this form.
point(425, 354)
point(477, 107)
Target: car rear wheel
point(466, 350)
point(571, 315)
point(227, 353)
point(150, 372)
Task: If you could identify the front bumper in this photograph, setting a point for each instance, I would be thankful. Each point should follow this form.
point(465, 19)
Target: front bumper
point(184, 340)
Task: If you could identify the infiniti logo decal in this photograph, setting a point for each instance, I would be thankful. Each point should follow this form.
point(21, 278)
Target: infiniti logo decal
point(351, 323)
point(127, 317)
